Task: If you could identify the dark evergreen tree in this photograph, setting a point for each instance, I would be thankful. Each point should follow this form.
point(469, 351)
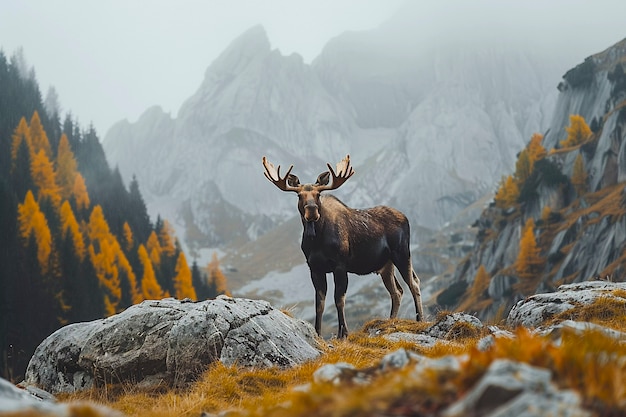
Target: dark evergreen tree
point(199, 281)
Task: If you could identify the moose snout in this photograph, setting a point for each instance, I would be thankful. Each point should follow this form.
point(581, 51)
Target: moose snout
point(311, 213)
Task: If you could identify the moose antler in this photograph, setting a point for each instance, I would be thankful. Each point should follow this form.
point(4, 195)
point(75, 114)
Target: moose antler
point(273, 174)
point(344, 171)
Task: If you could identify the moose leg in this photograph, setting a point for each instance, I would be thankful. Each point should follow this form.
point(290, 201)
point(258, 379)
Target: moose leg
point(341, 287)
point(320, 285)
point(393, 287)
point(410, 277)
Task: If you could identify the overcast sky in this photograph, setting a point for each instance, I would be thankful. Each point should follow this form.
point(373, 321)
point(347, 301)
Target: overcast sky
point(112, 59)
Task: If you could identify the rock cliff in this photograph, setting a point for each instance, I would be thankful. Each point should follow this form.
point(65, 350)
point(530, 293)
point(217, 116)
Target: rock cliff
point(580, 231)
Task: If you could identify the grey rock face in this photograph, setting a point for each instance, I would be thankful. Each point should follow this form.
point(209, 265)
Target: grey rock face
point(514, 389)
point(534, 310)
point(169, 340)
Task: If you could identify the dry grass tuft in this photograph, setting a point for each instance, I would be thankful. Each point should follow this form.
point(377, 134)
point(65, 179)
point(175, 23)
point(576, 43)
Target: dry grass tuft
point(388, 326)
point(609, 311)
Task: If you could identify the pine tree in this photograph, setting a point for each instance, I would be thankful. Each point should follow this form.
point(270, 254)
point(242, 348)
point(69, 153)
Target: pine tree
point(149, 286)
point(528, 260)
point(579, 176)
point(199, 281)
point(217, 279)
point(182, 281)
point(577, 131)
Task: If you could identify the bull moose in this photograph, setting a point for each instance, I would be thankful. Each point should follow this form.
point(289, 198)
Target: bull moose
point(340, 239)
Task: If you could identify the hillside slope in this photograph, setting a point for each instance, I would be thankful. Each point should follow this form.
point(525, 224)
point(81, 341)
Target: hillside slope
point(574, 195)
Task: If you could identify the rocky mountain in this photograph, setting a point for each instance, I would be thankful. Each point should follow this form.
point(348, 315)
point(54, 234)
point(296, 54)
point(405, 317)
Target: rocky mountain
point(579, 213)
point(405, 118)
point(430, 127)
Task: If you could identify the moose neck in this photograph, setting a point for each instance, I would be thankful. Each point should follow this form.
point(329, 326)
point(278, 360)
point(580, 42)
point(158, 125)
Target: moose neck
point(309, 229)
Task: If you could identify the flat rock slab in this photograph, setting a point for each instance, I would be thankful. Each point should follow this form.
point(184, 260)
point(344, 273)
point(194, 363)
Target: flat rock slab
point(534, 310)
point(169, 341)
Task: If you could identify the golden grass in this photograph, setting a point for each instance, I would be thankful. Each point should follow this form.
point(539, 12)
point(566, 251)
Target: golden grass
point(591, 363)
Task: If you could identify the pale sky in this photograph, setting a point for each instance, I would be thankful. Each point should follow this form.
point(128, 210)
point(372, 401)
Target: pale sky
point(111, 60)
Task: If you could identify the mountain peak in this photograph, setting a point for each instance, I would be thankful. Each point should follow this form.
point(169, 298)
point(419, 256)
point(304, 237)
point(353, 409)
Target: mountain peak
point(249, 46)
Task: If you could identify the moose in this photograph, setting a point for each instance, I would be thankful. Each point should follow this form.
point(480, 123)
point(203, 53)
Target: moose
point(340, 239)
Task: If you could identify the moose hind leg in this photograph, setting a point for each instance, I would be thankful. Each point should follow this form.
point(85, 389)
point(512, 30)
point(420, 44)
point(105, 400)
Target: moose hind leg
point(409, 276)
point(320, 285)
point(393, 287)
point(341, 287)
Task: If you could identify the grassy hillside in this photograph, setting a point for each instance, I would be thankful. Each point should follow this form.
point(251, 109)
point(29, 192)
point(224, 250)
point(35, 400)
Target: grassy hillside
point(592, 364)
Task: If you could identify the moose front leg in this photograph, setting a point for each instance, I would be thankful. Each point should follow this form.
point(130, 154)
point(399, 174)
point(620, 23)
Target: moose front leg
point(341, 287)
point(320, 285)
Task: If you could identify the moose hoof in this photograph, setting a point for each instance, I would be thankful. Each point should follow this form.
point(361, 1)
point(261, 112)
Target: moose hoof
point(342, 333)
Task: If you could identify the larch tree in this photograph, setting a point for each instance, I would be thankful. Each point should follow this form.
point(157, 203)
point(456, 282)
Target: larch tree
point(153, 247)
point(481, 283)
point(577, 131)
point(182, 281)
point(44, 177)
point(523, 167)
point(20, 134)
point(508, 193)
point(128, 237)
point(135, 296)
point(66, 168)
point(536, 151)
point(38, 137)
point(70, 225)
point(103, 252)
point(79, 191)
point(149, 286)
point(528, 259)
point(217, 280)
point(579, 176)
point(167, 239)
point(33, 222)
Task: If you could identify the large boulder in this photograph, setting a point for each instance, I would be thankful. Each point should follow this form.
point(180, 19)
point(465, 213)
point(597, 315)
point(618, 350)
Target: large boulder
point(536, 309)
point(169, 341)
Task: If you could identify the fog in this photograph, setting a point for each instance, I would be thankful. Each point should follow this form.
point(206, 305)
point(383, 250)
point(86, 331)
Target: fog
point(112, 60)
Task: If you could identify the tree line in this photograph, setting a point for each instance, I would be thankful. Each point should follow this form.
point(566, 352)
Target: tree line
point(75, 243)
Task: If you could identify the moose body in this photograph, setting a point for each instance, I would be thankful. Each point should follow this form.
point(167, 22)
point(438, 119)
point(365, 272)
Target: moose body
point(339, 239)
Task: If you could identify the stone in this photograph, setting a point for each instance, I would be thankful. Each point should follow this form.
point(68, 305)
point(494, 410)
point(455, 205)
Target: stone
point(169, 341)
point(534, 310)
point(445, 327)
point(510, 388)
point(33, 401)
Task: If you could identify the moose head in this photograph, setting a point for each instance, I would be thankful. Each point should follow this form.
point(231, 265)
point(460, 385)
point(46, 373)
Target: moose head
point(309, 194)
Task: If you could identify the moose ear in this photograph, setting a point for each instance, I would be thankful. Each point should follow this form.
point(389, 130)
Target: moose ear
point(293, 181)
point(323, 178)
